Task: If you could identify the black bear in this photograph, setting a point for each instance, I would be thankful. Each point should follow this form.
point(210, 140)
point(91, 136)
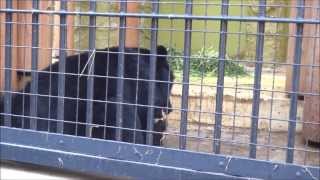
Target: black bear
point(105, 62)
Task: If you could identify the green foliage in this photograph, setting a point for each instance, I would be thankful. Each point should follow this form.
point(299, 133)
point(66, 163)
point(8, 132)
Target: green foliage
point(205, 61)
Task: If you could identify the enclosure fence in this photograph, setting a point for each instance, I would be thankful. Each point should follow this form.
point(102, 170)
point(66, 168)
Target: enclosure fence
point(232, 93)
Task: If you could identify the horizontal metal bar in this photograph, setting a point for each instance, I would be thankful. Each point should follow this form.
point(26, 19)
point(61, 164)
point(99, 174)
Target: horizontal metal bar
point(234, 142)
point(170, 16)
point(124, 159)
point(160, 29)
point(211, 3)
point(107, 166)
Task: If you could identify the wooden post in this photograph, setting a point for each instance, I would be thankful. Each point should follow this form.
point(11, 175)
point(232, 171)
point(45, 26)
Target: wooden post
point(25, 37)
point(290, 52)
point(21, 41)
point(14, 80)
point(311, 81)
point(132, 31)
point(311, 111)
point(56, 30)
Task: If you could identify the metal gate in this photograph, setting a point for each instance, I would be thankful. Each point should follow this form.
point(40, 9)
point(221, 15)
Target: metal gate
point(219, 99)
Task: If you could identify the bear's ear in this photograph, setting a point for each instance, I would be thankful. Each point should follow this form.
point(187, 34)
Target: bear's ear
point(161, 50)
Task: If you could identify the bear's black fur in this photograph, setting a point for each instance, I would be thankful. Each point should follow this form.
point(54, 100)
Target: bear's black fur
point(105, 62)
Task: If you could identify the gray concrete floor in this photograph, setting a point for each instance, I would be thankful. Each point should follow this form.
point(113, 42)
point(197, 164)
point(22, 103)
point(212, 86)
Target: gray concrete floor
point(13, 171)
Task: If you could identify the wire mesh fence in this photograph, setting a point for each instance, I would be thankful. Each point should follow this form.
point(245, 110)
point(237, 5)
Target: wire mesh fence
point(230, 77)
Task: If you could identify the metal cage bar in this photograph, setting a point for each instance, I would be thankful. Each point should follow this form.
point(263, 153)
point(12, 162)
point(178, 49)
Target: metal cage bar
point(34, 65)
point(295, 83)
point(29, 146)
point(220, 79)
point(257, 80)
point(238, 152)
point(91, 69)
point(186, 72)
point(8, 65)
point(62, 66)
point(169, 16)
point(152, 71)
point(120, 71)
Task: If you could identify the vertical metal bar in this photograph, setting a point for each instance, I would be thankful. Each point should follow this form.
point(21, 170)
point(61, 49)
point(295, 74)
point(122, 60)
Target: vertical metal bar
point(205, 33)
point(50, 75)
point(135, 139)
point(90, 78)
point(152, 71)
point(8, 65)
point(120, 69)
point(62, 66)
point(34, 65)
point(220, 80)
point(242, 5)
point(107, 81)
point(78, 77)
point(295, 83)
point(257, 80)
point(277, 38)
point(186, 71)
point(313, 77)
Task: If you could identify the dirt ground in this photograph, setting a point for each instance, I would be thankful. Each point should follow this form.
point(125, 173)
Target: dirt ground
point(236, 142)
point(236, 134)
